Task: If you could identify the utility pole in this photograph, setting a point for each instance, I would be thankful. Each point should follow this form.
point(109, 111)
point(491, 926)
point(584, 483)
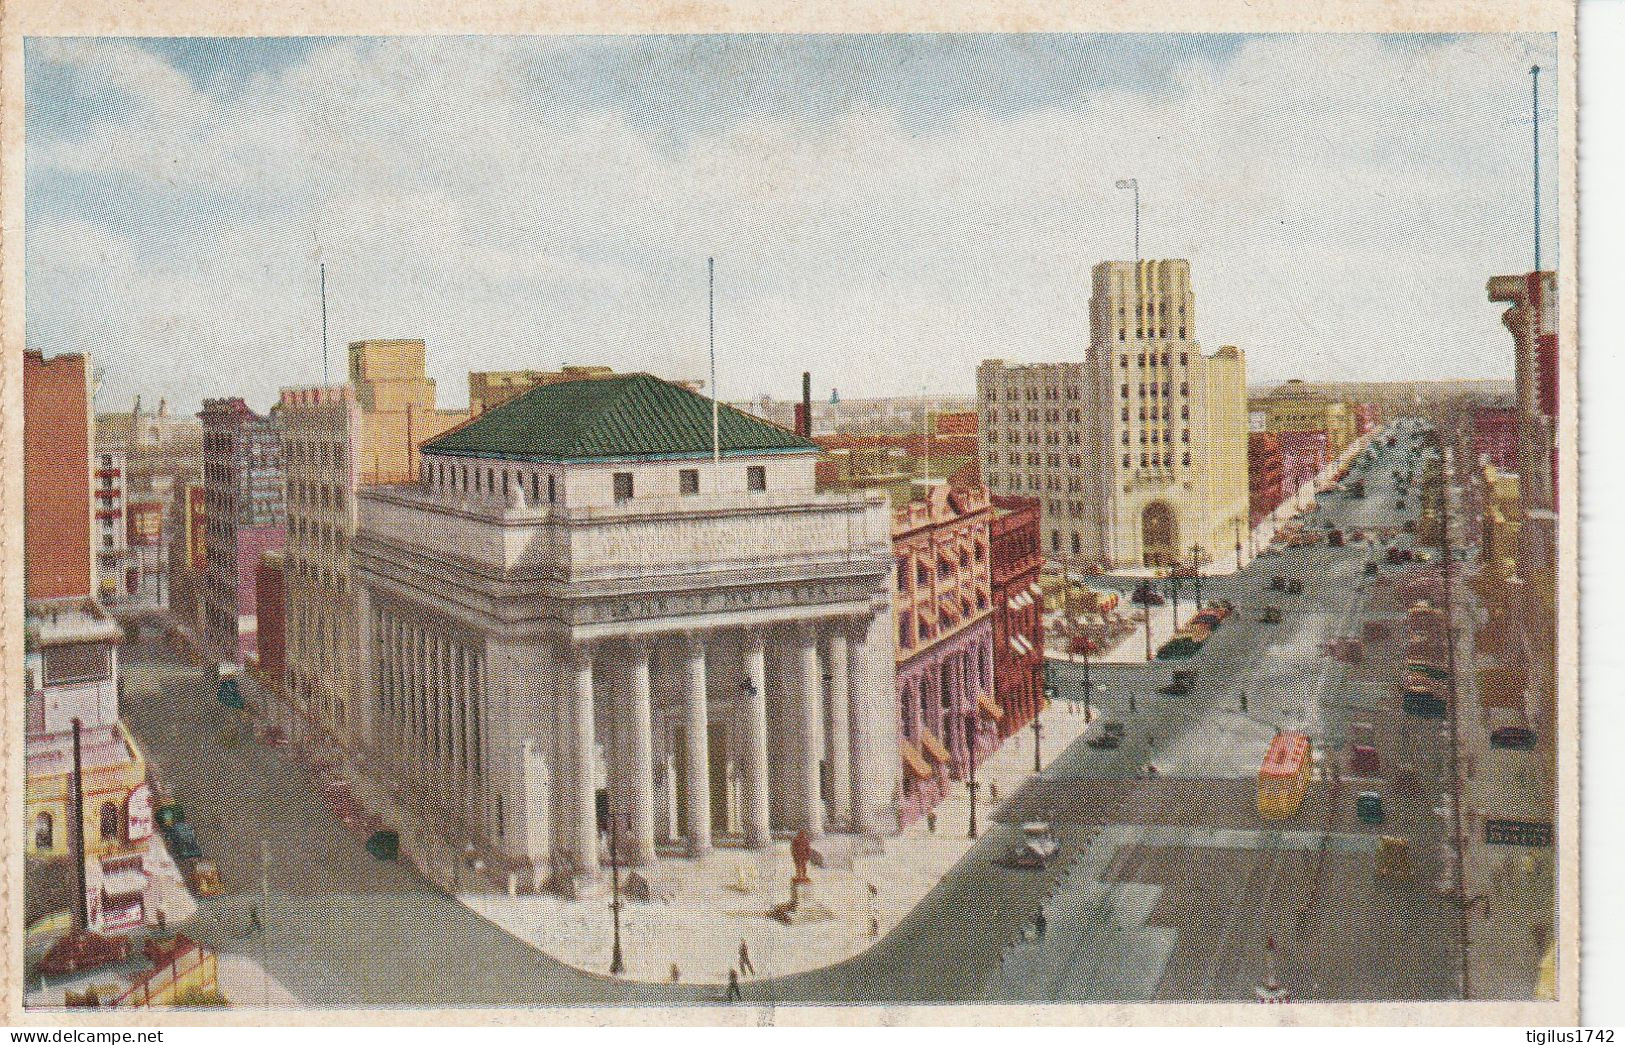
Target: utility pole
point(1088, 647)
point(324, 324)
point(1534, 100)
point(711, 326)
point(617, 965)
point(1134, 183)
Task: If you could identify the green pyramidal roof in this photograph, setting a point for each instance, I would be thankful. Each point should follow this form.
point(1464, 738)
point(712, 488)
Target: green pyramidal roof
point(612, 419)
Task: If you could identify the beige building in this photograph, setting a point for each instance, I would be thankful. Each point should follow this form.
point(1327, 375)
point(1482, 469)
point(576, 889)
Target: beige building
point(335, 441)
point(1138, 453)
point(1292, 408)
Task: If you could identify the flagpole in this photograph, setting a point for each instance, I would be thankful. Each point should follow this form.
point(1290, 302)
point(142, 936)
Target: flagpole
point(711, 309)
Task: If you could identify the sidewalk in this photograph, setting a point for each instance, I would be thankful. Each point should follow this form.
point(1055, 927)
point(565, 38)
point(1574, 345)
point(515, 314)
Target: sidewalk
point(727, 897)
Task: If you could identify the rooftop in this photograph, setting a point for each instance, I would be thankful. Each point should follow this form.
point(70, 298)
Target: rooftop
point(55, 622)
point(613, 418)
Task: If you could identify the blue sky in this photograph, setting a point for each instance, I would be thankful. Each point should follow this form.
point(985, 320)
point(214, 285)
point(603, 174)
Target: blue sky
point(885, 210)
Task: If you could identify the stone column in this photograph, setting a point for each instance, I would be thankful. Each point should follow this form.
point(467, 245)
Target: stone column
point(471, 746)
point(810, 744)
point(583, 783)
point(875, 759)
point(364, 699)
point(758, 831)
point(639, 751)
point(697, 741)
point(839, 735)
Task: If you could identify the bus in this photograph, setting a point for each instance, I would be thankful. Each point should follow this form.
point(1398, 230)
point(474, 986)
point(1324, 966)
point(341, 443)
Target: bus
point(1284, 776)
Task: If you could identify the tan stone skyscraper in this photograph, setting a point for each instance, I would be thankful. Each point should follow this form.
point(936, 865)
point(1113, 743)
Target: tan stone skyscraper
point(1139, 453)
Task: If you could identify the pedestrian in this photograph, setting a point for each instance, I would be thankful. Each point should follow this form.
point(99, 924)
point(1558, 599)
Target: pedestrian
point(874, 927)
point(676, 973)
point(1150, 740)
point(745, 965)
point(733, 985)
point(1244, 700)
point(931, 822)
point(993, 792)
point(254, 919)
point(1040, 923)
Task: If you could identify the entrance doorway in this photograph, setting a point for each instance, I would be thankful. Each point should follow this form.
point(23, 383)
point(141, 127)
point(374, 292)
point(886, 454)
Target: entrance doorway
point(1159, 534)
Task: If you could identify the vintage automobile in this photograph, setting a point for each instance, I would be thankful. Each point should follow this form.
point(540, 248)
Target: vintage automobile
point(1368, 807)
point(1036, 848)
point(1183, 682)
point(182, 841)
point(1109, 737)
point(1294, 587)
point(1515, 738)
point(1272, 615)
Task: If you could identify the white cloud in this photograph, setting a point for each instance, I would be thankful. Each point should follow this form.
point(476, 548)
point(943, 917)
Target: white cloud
point(1342, 201)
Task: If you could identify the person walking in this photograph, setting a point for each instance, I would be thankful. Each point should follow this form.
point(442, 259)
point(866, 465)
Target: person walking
point(254, 919)
point(676, 973)
point(1040, 923)
point(733, 985)
point(745, 965)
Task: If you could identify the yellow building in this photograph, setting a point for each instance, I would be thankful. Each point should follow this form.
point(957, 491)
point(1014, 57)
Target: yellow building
point(1291, 409)
point(492, 388)
point(117, 805)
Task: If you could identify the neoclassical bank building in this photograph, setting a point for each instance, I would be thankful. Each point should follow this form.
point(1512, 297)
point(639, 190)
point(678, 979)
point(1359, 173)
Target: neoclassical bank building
point(596, 602)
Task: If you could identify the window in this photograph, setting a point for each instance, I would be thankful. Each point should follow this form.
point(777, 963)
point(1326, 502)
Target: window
point(1185, 436)
point(44, 832)
point(1187, 459)
point(1125, 415)
point(1184, 357)
point(688, 481)
point(1127, 461)
point(552, 490)
point(623, 486)
point(1125, 391)
point(1184, 388)
point(535, 486)
point(1145, 460)
point(1181, 333)
point(1055, 540)
point(109, 824)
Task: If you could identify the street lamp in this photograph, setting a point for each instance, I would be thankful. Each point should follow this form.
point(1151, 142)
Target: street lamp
point(617, 964)
point(1088, 648)
point(1198, 554)
point(1038, 730)
point(970, 756)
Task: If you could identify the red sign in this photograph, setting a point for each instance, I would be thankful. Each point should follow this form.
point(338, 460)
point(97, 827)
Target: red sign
point(138, 817)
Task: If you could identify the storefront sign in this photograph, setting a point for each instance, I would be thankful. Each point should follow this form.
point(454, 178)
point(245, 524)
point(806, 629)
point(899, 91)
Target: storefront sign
point(138, 819)
point(1517, 832)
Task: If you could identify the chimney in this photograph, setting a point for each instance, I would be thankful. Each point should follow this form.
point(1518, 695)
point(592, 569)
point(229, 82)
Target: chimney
point(804, 427)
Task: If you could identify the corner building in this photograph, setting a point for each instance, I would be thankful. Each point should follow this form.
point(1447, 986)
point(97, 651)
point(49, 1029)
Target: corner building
point(1138, 453)
point(579, 607)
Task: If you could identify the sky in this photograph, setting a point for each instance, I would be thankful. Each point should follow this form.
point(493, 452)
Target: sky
point(885, 211)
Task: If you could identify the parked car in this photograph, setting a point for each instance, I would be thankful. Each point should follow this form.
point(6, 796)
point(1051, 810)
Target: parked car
point(182, 841)
point(1294, 587)
point(1182, 683)
point(1144, 595)
point(1371, 569)
point(1369, 807)
point(1516, 738)
point(1036, 848)
point(1272, 615)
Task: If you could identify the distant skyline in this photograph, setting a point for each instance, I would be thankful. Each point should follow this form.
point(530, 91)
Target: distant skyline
point(885, 211)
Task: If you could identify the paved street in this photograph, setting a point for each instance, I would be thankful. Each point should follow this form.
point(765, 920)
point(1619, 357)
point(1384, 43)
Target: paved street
point(1166, 888)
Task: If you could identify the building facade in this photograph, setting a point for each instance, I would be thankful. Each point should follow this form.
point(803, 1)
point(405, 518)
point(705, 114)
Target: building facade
point(244, 518)
point(1016, 545)
point(1266, 468)
point(115, 579)
point(57, 440)
point(943, 589)
point(1290, 408)
point(1495, 433)
point(335, 441)
point(584, 608)
point(1303, 455)
point(1139, 453)
point(159, 454)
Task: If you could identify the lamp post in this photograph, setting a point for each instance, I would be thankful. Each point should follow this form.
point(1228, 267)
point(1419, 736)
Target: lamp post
point(970, 757)
point(1237, 522)
point(1173, 589)
point(1198, 553)
point(617, 964)
point(1038, 729)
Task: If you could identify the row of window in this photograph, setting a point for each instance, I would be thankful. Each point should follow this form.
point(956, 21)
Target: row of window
point(489, 481)
point(1156, 436)
point(1158, 389)
point(1031, 439)
point(1149, 333)
point(1032, 395)
point(1152, 359)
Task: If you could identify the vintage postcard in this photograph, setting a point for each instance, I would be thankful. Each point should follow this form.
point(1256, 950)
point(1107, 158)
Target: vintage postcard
point(966, 514)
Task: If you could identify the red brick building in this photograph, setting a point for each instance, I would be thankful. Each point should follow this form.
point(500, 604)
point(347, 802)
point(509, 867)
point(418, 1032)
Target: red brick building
point(1303, 455)
point(1495, 434)
point(1018, 611)
point(1265, 478)
point(57, 438)
point(270, 604)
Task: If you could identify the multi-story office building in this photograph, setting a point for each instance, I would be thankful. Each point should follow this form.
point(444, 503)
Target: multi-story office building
point(115, 579)
point(1139, 453)
point(57, 512)
point(335, 441)
point(583, 604)
point(243, 508)
point(1018, 611)
point(1290, 408)
point(1266, 475)
point(160, 454)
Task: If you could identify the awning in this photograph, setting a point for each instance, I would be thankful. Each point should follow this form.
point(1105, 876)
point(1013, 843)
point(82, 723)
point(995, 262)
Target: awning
point(990, 709)
point(1015, 644)
point(933, 748)
point(1035, 589)
point(913, 762)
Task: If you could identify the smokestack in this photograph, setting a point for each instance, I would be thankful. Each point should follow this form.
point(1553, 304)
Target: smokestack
point(806, 405)
point(76, 836)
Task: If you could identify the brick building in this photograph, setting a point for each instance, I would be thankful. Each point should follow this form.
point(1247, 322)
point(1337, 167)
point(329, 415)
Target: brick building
point(1495, 433)
point(270, 602)
point(944, 640)
point(1265, 475)
point(1303, 455)
point(57, 513)
point(1016, 545)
